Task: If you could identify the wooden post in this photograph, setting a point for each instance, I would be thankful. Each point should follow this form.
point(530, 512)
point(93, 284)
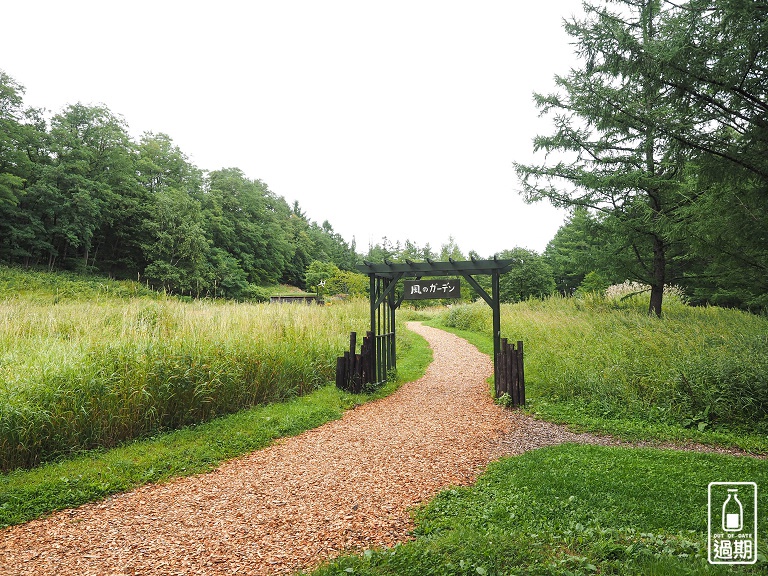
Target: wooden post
point(357, 385)
point(341, 373)
point(521, 371)
point(366, 350)
point(352, 342)
point(495, 300)
point(514, 391)
point(501, 379)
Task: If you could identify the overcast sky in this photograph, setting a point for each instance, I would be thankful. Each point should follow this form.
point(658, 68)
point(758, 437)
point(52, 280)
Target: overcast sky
point(397, 119)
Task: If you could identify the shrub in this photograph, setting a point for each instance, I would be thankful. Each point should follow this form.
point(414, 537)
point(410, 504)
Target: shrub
point(476, 317)
point(696, 367)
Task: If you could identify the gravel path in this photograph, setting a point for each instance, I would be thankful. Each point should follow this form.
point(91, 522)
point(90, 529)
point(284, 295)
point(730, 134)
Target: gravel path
point(344, 486)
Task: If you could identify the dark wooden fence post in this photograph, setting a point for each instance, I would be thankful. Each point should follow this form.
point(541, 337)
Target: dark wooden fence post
point(520, 371)
point(511, 376)
point(354, 371)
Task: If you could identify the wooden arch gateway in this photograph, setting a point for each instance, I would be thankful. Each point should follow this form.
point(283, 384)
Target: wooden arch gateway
point(385, 300)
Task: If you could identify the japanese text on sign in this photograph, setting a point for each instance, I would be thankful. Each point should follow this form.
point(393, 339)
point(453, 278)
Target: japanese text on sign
point(425, 289)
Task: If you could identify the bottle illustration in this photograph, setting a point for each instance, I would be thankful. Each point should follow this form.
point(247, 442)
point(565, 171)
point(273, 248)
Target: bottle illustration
point(733, 513)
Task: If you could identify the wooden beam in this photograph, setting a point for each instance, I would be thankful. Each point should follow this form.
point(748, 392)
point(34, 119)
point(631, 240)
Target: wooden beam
point(430, 268)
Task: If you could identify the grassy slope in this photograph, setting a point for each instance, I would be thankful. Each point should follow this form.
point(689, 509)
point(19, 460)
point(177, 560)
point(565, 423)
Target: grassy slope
point(563, 510)
point(93, 363)
point(27, 494)
point(699, 374)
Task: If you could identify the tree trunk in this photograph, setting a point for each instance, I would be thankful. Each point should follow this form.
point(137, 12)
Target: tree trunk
point(659, 276)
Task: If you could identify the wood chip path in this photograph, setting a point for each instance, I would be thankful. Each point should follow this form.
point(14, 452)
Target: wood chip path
point(347, 485)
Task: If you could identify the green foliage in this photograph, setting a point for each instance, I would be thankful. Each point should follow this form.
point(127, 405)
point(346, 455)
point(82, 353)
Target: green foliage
point(575, 250)
point(346, 282)
point(565, 511)
point(530, 277)
point(620, 167)
point(82, 195)
point(476, 317)
point(328, 279)
point(13, 163)
point(177, 243)
point(662, 126)
point(18, 285)
point(318, 274)
point(593, 283)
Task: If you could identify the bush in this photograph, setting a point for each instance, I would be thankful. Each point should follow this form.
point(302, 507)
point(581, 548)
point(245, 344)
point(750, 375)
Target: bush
point(476, 317)
point(728, 386)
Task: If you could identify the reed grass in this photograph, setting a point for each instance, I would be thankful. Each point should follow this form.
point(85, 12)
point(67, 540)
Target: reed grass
point(76, 375)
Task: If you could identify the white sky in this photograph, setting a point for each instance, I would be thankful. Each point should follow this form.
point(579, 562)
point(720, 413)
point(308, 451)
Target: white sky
point(397, 119)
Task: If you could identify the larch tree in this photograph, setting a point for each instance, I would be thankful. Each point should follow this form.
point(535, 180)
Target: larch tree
point(613, 159)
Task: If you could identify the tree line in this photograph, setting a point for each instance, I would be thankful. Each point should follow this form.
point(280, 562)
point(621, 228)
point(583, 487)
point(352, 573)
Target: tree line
point(78, 193)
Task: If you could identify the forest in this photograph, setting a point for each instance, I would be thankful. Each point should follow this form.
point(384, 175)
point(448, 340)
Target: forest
point(660, 151)
point(77, 193)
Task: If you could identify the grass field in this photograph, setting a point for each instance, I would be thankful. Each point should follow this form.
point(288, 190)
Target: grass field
point(36, 306)
point(96, 474)
point(84, 366)
point(571, 511)
point(606, 365)
point(599, 364)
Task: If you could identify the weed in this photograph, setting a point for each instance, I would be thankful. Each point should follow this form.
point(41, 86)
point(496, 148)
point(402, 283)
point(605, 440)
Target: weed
point(606, 365)
point(92, 475)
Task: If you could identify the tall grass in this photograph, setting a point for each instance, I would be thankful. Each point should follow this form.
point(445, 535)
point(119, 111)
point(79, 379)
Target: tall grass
point(698, 368)
point(76, 375)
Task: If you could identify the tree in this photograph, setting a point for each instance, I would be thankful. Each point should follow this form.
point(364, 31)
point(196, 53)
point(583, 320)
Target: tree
point(386, 250)
point(12, 161)
point(81, 194)
point(246, 220)
point(318, 274)
point(530, 277)
point(712, 55)
point(161, 164)
point(22, 155)
point(177, 245)
point(619, 165)
point(727, 235)
point(450, 250)
point(90, 165)
point(575, 250)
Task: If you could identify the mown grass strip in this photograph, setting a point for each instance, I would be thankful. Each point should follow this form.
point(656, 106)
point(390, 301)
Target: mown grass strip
point(28, 494)
point(571, 510)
